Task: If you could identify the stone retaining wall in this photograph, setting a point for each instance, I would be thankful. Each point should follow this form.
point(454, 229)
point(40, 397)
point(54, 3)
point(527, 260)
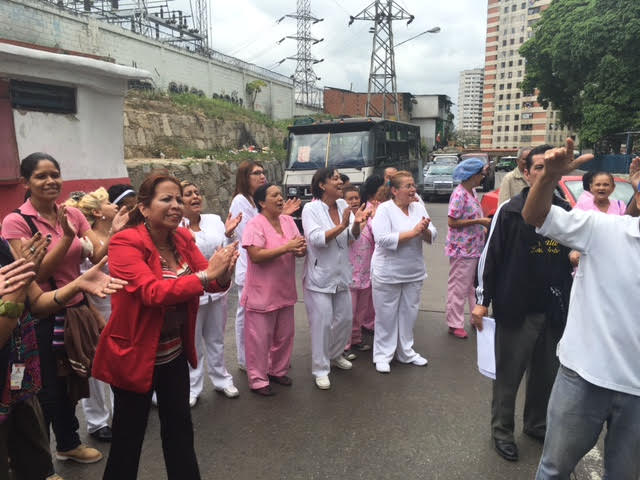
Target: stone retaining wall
point(215, 179)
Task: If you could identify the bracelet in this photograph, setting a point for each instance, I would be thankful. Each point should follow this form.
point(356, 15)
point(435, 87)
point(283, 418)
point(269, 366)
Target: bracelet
point(202, 275)
point(55, 298)
point(11, 309)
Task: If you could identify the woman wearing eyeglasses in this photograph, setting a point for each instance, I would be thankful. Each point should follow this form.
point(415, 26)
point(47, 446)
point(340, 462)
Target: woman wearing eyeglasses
point(327, 272)
point(400, 225)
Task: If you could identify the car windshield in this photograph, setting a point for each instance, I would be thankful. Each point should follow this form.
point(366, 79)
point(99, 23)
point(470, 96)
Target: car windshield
point(347, 149)
point(446, 159)
point(622, 192)
point(441, 170)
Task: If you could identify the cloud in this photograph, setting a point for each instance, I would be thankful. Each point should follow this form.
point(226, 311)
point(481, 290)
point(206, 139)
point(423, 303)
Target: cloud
point(430, 63)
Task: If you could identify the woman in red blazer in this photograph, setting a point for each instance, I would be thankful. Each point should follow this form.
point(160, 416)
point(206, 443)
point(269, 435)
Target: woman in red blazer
point(150, 335)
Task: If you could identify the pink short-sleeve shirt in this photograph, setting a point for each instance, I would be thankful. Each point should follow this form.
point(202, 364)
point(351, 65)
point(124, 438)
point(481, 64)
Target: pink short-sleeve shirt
point(360, 253)
point(15, 227)
point(468, 241)
point(271, 285)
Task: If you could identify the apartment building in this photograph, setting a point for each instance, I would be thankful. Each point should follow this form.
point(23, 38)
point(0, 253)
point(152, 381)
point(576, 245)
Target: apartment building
point(470, 101)
point(512, 118)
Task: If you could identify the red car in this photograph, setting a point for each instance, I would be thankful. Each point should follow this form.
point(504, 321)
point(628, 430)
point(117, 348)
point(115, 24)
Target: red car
point(570, 186)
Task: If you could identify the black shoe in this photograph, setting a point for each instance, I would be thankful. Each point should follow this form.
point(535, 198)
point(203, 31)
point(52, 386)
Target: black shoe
point(538, 436)
point(361, 347)
point(506, 449)
point(264, 391)
point(103, 434)
point(283, 380)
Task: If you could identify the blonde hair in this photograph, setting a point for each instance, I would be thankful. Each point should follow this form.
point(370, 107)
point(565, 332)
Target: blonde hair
point(88, 203)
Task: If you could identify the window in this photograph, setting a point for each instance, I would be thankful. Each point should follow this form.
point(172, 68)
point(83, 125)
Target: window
point(508, 85)
point(498, 138)
point(502, 86)
point(500, 96)
point(499, 118)
point(506, 9)
point(533, 10)
point(521, 39)
point(511, 63)
point(511, 53)
point(508, 106)
point(508, 96)
point(506, 128)
point(504, 43)
point(527, 116)
point(517, 106)
point(523, 5)
point(510, 75)
point(516, 116)
point(502, 65)
point(514, 8)
point(520, 62)
point(527, 127)
point(515, 128)
point(41, 97)
point(499, 128)
point(499, 108)
point(512, 41)
point(519, 73)
point(507, 118)
point(502, 76)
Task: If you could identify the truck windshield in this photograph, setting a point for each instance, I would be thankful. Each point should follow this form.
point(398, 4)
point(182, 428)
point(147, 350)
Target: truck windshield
point(347, 149)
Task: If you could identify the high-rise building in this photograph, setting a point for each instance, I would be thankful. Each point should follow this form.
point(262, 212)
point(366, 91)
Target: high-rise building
point(512, 118)
point(470, 102)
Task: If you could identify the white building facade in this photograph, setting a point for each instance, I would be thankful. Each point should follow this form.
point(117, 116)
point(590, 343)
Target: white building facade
point(470, 101)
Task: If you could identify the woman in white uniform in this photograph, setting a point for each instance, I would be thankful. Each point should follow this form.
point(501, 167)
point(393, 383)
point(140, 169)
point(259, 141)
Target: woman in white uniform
point(249, 177)
point(327, 272)
point(99, 212)
point(397, 272)
point(210, 234)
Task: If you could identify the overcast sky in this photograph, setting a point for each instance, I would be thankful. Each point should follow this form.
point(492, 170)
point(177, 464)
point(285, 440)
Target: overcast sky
point(247, 29)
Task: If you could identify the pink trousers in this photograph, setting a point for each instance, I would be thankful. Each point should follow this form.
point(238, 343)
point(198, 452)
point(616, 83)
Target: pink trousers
point(363, 314)
point(462, 274)
point(268, 343)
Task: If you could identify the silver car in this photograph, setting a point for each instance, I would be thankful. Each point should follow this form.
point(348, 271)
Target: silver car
point(438, 180)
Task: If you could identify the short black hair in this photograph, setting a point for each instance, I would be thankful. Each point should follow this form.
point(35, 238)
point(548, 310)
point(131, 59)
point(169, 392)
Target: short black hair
point(321, 176)
point(536, 151)
point(369, 188)
point(29, 163)
point(260, 195)
point(350, 188)
point(587, 178)
point(115, 191)
point(344, 178)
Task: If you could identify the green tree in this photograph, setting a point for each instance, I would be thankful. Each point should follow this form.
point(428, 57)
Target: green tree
point(253, 89)
point(583, 59)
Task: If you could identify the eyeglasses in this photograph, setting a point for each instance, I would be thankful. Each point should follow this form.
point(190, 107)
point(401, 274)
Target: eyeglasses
point(258, 173)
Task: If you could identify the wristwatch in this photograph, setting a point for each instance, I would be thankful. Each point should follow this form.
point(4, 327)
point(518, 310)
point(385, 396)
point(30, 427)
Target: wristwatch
point(11, 309)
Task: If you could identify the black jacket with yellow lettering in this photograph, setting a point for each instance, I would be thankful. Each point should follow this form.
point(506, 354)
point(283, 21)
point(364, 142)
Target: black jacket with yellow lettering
point(520, 271)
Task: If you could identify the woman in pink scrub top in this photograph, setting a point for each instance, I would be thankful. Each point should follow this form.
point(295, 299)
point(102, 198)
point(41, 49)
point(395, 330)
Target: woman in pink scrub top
point(41, 176)
point(271, 240)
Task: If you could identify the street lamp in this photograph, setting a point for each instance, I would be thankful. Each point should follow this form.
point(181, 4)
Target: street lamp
point(431, 30)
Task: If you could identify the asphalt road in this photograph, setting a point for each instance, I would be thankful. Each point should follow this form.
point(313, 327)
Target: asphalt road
point(415, 423)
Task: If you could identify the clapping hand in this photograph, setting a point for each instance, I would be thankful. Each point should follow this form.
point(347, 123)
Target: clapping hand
point(421, 226)
point(560, 161)
point(291, 206)
point(15, 276)
point(362, 214)
point(96, 282)
point(297, 246)
point(120, 220)
point(222, 264)
point(67, 228)
point(231, 224)
point(33, 250)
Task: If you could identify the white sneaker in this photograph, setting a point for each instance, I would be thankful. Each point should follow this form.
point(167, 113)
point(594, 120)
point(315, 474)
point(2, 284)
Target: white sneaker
point(154, 399)
point(383, 367)
point(323, 383)
point(420, 361)
point(230, 392)
point(342, 363)
point(193, 401)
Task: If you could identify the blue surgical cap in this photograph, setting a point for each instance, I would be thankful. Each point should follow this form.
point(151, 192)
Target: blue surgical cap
point(467, 169)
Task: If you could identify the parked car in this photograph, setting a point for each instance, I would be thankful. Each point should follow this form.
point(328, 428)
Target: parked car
point(489, 182)
point(506, 163)
point(569, 187)
point(438, 180)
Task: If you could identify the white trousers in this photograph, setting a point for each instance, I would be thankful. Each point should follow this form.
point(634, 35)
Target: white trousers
point(240, 330)
point(396, 306)
point(210, 326)
point(330, 319)
point(98, 406)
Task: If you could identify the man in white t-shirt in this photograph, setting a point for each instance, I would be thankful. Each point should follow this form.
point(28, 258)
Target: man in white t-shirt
point(599, 378)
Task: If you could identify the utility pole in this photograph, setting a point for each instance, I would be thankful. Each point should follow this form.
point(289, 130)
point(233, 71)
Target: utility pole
point(382, 73)
point(304, 78)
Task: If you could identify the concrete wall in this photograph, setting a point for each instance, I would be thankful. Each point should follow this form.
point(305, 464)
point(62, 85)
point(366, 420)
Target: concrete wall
point(427, 130)
point(34, 22)
point(427, 106)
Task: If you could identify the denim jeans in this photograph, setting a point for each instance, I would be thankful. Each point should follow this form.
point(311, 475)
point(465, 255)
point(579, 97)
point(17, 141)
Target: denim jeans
point(577, 411)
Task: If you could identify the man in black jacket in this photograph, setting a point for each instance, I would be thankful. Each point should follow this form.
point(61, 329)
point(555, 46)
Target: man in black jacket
point(527, 278)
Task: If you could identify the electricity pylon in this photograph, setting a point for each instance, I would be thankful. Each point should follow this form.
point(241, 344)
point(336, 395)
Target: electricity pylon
point(382, 74)
point(304, 78)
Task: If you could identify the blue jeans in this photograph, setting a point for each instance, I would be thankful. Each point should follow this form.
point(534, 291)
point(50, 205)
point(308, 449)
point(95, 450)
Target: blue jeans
point(577, 411)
